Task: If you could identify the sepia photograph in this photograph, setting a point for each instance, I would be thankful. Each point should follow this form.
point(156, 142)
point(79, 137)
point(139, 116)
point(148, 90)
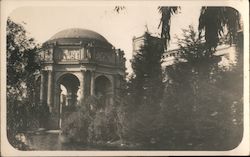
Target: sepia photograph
point(128, 78)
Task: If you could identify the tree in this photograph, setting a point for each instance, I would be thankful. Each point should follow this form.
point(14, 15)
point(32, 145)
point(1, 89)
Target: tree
point(166, 13)
point(118, 9)
point(199, 105)
point(145, 89)
point(21, 68)
point(191, 103)
point(214, 20)
point(20, 53)
point(146, 65)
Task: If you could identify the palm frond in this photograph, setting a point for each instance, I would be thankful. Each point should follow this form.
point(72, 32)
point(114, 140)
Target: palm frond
point(166, 13)
point(214, 20)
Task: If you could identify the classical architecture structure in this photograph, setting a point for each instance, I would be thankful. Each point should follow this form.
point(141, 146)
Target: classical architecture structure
point(227, 53)
point(85, 64)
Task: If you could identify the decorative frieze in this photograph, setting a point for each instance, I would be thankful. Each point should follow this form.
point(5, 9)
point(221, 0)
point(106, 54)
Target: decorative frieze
point(60, 55)
point(70, 54)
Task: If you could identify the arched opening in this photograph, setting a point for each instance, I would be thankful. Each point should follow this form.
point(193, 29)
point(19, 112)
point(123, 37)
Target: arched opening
point(103, 91)
point(68, 86)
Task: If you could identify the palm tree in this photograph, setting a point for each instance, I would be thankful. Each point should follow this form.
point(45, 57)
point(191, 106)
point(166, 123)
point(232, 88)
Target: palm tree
point(213, 21)
point(118, 9)
point(166, 13)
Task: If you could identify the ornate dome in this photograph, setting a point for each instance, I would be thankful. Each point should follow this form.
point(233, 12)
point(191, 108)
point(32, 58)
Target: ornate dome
point(77, 35)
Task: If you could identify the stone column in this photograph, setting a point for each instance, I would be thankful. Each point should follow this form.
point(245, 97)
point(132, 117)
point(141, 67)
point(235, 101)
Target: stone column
point(57, 99)
point(42, 87)
point(82, 87)
point(49, 93)
point(59, 91)
point(92, 84)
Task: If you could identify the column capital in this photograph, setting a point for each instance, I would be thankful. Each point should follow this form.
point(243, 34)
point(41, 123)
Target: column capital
point(48, 68)
point(83, 68)
point(92, 68)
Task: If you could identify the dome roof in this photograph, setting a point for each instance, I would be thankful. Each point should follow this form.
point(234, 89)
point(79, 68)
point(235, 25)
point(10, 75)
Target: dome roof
point(77, 34)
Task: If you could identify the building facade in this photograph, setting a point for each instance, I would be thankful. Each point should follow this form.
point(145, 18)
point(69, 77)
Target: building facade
point(76, 64)
point(227, 53)
point(138, 42)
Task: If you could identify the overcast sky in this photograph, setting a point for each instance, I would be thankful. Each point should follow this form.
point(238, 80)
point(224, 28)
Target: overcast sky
point(118, 29)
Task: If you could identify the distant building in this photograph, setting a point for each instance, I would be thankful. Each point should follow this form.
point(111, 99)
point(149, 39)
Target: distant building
point(227, 52)
point(138, 42)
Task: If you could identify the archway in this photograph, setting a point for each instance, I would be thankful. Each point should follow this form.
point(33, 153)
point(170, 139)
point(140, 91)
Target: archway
point(68, 85)
point(103, 91)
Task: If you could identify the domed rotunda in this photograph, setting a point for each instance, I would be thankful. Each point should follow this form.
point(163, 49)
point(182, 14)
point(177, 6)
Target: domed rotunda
point(78, 64)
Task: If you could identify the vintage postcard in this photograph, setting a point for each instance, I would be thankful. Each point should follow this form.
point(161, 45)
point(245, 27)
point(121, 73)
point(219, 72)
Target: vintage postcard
point(124, 78)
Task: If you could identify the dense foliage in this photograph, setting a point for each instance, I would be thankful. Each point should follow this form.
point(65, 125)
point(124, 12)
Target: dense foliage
point(201, 105)
point(90, 124)
point(146, 65)
point(144, 91)
point(214, 20)
point(21, 68)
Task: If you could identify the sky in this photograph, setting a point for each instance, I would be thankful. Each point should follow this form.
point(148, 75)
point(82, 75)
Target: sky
point(43, 22)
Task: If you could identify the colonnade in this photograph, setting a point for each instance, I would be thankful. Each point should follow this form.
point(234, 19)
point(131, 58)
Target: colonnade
point(49, 95)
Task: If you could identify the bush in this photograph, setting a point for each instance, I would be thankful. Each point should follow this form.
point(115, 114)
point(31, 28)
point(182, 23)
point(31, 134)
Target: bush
point(90, 124)
point(75, 126)
point(21, 117)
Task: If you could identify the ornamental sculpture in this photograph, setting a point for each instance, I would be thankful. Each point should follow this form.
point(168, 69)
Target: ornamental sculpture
point(70, 54)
